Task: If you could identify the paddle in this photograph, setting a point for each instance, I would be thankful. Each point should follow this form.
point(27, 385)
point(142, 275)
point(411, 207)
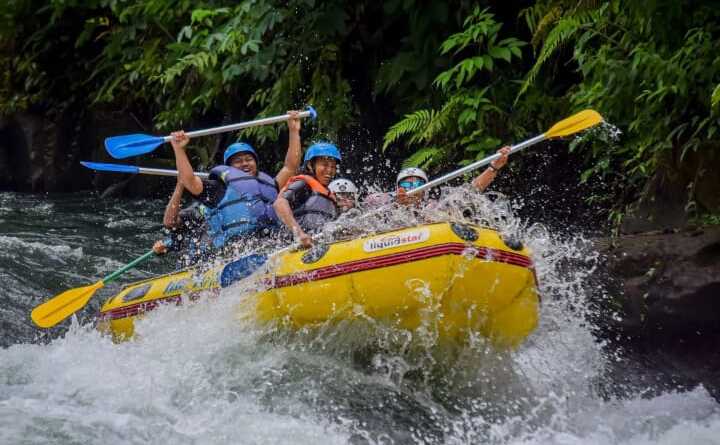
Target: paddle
point(242, 268)
point(60, 307)
point(574, 124)
point(121, 147)
point(123, 168)
point(245, 266)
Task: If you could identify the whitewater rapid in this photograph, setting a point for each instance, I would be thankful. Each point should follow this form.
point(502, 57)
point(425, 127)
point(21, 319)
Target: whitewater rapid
point(198, 374)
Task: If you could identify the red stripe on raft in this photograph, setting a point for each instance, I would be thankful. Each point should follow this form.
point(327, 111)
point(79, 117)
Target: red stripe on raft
point(138, 308)
point(323, 273)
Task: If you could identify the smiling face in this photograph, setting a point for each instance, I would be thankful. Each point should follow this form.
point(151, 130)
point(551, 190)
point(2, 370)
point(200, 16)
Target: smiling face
point(245, 162)
point(324, 169)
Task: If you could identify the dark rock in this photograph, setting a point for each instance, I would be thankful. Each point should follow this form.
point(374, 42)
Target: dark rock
point(662, 205)
point(667, 283)
point(15, 169)
point(42, 152)
point(660, 309)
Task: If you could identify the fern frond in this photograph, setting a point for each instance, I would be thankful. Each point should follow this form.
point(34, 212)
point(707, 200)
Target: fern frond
point(440, 121)
point(423, 157)
point(563, 31)
point(544, 24)
point(532, 16)
point(411, 124)
point(715, 98)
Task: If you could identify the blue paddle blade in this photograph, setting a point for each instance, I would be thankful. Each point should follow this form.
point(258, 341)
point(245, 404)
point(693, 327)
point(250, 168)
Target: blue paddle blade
point(121, 147)
point(118, 168)
point(241, 268)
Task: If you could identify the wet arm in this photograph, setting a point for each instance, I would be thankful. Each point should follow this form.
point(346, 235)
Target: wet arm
point(294, 152)
point(171, 217)
point(485, 178)
point(186, 176)
point(285, 213)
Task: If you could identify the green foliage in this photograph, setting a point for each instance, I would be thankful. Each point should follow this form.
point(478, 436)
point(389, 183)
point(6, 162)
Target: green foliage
point(423, 157)
point(406, 75)
point(645, 76)
point(451, 132)
point(413, 124)
point(180, 61)
point(453, 77)
point(707, 219)
point(564, 29)
point(647, 67)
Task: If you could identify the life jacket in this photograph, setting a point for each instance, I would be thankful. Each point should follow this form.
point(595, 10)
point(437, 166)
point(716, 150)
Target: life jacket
point(318, 209)
point(245, 209)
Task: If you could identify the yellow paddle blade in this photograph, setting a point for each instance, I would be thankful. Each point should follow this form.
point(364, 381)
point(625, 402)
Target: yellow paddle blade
point(64, 305)
point(575, 123)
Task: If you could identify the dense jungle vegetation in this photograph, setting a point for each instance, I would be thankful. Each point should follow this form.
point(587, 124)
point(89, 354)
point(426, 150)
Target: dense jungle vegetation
point(439, 84)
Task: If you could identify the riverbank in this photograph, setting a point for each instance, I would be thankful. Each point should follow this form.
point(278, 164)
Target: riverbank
point(661, 304)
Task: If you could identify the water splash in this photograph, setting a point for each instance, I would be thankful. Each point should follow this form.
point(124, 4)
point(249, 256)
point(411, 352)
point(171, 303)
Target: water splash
point(197, 374)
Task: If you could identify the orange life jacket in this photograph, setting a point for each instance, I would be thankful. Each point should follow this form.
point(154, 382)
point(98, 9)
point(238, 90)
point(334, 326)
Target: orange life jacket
point(318, 209)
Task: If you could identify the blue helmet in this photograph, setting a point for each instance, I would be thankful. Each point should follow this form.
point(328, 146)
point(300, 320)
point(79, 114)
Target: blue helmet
point(320, 149)
point(238, 147)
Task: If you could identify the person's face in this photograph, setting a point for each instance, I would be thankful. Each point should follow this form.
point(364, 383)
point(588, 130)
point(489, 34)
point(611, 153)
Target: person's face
point(325, 169)
point(345, 200)
point(245, 162)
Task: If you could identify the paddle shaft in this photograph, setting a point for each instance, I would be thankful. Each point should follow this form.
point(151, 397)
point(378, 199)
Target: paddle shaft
point(475, 165)
point(163, 172)
point(133, 169)
point(241, 125)
point(113, 276)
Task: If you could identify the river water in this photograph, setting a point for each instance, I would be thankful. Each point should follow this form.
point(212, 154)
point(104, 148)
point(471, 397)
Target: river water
point(197, 375)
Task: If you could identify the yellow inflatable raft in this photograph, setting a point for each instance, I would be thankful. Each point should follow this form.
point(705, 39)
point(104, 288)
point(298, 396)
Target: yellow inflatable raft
point(457, 277)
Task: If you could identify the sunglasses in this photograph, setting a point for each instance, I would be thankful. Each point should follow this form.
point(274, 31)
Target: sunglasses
point(409, 185)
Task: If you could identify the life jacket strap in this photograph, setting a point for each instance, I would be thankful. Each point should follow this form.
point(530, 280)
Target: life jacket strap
point(252, 178)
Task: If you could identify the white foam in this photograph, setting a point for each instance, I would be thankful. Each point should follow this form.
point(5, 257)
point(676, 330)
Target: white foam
point(197, 374)
point(12, 244)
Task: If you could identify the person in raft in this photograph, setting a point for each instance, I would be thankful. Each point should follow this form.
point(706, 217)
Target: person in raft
point(346, 194)
point(412, 178)
point(235, 202)
point(305, 204)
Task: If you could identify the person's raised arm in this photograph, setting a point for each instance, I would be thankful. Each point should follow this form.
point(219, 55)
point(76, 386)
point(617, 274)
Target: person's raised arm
point(294, 152)
point(284, 212)
point(486, 177)
point(186, 176)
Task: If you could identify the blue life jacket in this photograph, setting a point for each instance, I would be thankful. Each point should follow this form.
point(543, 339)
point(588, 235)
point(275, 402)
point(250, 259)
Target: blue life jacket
point(245, 209)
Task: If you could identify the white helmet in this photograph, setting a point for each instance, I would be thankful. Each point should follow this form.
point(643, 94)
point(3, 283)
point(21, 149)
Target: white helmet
point(411, 171)
point(342, 186)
